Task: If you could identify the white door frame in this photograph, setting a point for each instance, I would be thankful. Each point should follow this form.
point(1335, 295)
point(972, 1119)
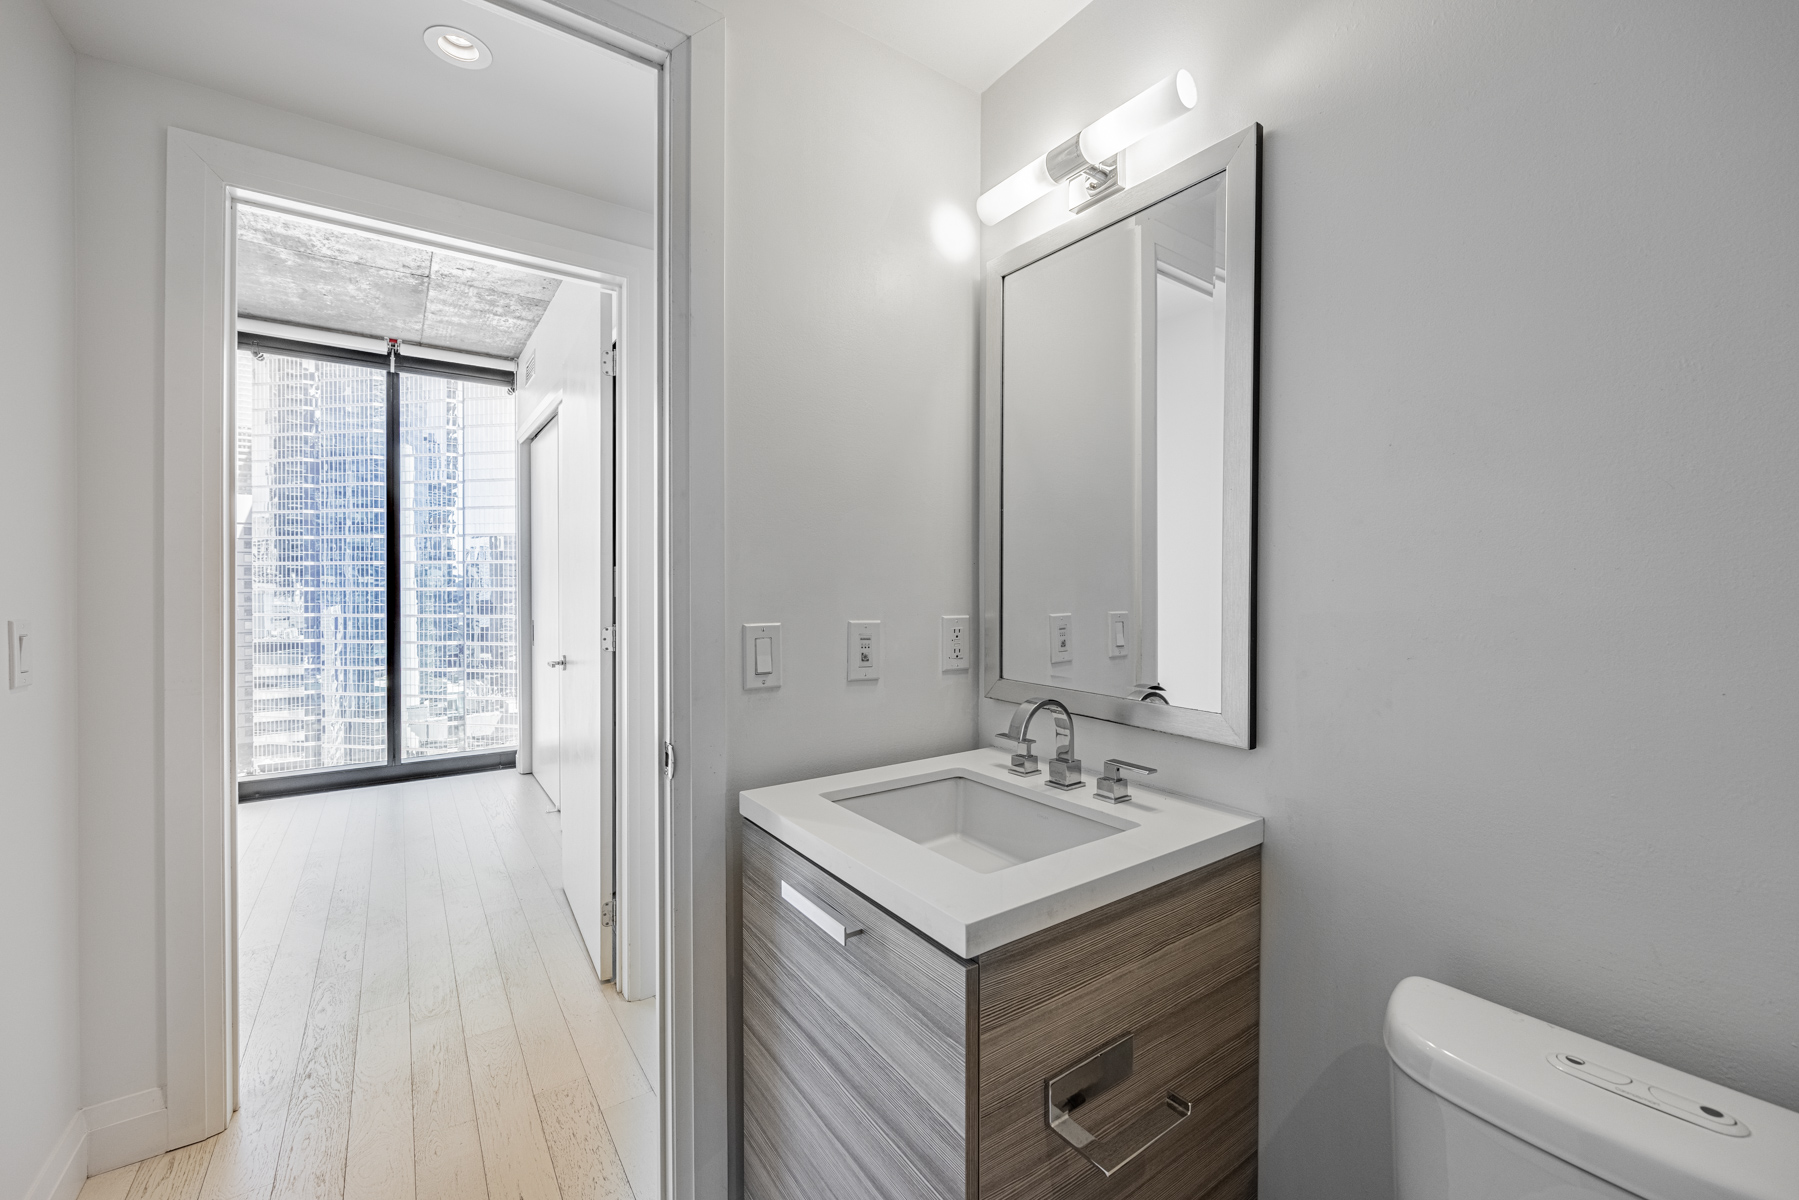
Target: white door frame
point(206, 177)
point(697, 818)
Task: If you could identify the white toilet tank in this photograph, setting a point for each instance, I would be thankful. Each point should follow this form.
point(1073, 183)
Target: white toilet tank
point(1489, 1104)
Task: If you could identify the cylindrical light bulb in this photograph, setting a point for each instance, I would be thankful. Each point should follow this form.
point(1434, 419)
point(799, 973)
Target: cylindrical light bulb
point(1136, 118)
point(1003, 199)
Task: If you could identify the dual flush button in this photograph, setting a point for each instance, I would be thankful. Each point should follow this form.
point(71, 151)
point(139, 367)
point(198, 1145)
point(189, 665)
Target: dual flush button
point(1708, 1116)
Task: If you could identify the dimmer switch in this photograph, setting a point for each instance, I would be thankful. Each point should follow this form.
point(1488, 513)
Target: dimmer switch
point(21, 653)
point(1061, 638)
point(761, 657)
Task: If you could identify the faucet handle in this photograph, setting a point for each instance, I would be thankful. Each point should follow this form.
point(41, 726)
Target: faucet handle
point(1113, 786)
point(1123, 766)
point(1024, 762)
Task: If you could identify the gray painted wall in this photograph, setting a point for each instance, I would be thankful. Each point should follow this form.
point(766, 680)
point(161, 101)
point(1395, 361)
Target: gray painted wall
point(40, 1051)
point(1529, 668)
point(849, 391)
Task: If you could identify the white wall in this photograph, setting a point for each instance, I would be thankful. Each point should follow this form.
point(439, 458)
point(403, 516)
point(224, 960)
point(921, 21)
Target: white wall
point(122, 116)
point(39, 1027)
point(1529, 669)
point(850, 385)
point(850, 370)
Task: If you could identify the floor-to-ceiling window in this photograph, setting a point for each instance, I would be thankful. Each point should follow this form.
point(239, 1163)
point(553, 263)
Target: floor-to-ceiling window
point(377, 564)
point(458, 567)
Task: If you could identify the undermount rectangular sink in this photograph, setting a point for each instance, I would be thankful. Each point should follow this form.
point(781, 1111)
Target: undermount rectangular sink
point(975, 857)
point(969, 821)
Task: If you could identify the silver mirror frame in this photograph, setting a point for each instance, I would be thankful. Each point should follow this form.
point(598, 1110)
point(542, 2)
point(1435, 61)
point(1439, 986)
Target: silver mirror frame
point(1238, 158)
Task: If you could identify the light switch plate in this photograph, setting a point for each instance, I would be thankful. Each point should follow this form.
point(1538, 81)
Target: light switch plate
point(1118, 635)
point(954, 643)
point(21, 654)
point(761, 657)
point(1061, 638)
point(865, 650)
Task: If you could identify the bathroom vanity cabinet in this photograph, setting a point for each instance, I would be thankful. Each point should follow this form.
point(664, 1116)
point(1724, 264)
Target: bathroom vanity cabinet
point(878, 1064)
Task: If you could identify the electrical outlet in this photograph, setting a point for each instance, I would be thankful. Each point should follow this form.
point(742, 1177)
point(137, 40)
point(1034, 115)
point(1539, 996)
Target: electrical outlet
point(954, 644)
point(865, 650)
point(761, 657)
point(21, 654)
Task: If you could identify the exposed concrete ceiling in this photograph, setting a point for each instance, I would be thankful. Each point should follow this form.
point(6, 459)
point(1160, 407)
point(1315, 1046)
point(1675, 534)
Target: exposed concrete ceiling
point(973, 42)
point(302, 272)
point(550, 108)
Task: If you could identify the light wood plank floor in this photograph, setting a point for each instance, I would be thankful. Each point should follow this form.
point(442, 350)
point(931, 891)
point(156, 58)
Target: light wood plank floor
point(420, 1017)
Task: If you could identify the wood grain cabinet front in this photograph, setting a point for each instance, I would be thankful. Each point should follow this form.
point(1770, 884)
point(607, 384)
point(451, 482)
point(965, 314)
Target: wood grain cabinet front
point(877, 1064)
point(856, 1074)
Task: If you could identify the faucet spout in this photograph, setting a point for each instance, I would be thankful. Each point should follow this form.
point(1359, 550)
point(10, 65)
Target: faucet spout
point(1065, 768)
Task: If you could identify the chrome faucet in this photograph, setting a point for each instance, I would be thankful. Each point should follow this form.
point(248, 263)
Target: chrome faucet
point(1064, 768)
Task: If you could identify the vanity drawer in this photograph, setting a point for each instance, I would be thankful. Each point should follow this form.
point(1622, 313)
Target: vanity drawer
point(857, 1081)
point(1176, 967)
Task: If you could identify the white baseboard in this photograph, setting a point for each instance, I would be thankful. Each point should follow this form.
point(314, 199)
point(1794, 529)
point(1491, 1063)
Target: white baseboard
point(126, 1130)
point(100, 1138)
point(66, 1169)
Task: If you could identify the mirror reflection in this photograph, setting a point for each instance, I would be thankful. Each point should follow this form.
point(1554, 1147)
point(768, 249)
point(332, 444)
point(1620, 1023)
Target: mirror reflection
point(1112, 459)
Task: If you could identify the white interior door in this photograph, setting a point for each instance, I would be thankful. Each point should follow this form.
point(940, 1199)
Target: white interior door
point(546, 611)
point(588, 740)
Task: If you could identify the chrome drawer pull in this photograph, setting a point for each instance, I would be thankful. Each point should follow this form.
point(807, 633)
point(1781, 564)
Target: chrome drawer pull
point(819, 915)
point(1087, 1079)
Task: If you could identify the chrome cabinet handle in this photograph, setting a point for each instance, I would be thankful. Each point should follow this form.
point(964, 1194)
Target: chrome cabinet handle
point(834, 926)
point(1087, 1079)
point(559, 662)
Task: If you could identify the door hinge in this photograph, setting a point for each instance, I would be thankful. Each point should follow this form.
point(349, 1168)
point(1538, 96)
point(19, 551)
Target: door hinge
point(609, 638)
point(668, 760)
point(606, 912)
point(609, 361)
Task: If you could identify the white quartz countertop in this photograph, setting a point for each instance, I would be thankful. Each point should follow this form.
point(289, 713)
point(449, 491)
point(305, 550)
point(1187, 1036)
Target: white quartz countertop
point(969, 912)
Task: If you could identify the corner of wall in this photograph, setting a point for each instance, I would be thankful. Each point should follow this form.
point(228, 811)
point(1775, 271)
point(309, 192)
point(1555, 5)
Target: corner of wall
point(40, 1031)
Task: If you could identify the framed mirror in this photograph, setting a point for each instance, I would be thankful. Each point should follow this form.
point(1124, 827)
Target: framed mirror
point(1118, 455)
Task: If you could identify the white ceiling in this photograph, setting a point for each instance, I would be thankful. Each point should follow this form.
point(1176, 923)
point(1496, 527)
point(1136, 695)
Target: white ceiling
point(973, 42)
point(550, 108)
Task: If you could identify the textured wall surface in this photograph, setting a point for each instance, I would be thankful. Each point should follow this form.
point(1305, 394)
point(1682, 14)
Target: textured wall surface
point(1529, 672)
point(40, 1051)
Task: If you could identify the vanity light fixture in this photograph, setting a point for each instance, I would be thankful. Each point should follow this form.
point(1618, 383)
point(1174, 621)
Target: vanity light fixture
point(1088, 161)
point(458, 47)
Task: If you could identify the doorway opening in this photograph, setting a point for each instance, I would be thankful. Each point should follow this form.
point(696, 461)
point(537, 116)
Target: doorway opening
point(377, 533)
point(427, 580)
point(642, 244)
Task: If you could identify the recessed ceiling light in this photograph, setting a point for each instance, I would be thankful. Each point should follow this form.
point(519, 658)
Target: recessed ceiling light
point(458, 47)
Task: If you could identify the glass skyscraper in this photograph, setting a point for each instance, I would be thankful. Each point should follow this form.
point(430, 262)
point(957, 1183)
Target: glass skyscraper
point(313, 595)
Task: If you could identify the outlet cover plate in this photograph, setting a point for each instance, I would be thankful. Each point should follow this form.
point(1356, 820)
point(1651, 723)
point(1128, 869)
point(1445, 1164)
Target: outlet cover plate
point(956, 643)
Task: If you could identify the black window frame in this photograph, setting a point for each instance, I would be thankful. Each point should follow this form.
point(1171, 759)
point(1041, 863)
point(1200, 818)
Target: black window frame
point(396, 769)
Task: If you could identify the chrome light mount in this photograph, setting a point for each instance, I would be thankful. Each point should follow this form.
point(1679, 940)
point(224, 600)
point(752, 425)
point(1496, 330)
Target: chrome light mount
point(1088, 182)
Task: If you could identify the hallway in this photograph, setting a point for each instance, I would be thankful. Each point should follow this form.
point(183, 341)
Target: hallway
point(419, 1015)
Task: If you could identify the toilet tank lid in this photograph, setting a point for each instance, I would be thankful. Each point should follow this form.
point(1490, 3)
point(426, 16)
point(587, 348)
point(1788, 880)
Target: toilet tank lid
point(1497, 1064)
